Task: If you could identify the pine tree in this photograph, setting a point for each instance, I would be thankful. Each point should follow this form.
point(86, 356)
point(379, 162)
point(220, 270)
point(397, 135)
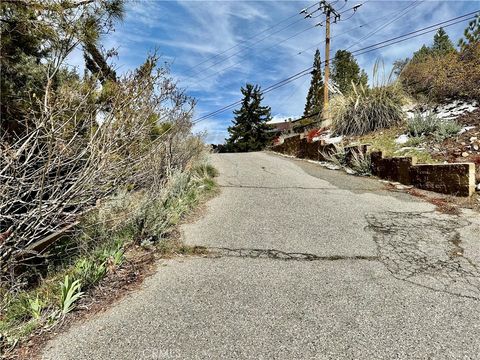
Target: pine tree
point(314, 102)
point(442, 43)
point(345, 71)
point(421, 54)
point(471, 33)
point(249, 130)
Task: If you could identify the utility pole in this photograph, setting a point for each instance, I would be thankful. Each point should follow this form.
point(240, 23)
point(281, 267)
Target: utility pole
point(329, 11)
point(327, 65)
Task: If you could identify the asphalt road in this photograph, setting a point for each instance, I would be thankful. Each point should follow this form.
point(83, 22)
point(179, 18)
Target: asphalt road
point(311, 264)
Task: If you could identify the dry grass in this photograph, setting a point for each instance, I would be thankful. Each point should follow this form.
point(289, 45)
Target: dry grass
point(369, 109)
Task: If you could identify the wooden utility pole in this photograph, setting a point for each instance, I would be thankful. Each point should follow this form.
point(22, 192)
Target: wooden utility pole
point(330, 14)
point(327, 65)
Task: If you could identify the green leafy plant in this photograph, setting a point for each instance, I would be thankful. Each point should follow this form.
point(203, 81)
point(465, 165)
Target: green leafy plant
point(415, 141)
point(70, 294)
point(36, 307)
point(420, 126)
point(338, 156)
point(447, 129)
point(89, 272)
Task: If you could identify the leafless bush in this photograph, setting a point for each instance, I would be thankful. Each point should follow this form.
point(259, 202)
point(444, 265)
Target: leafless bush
point(84, 144)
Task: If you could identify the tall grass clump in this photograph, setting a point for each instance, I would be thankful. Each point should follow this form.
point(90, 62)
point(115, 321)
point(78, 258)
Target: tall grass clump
point(365, 109)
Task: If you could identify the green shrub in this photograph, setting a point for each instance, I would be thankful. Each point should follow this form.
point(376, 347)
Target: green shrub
point(415, 141)
point(430, 124)
point(423, 125)
point(337, 157)
point(447, 129)
point(89, 272)
point(361, 163)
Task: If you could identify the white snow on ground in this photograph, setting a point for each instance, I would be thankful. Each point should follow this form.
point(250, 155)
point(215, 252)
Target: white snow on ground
point(402, 139)
point(465, 129)
point(333, 140)
point(448, 111)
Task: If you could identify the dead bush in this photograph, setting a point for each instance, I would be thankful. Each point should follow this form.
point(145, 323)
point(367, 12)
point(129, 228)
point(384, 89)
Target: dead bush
point(451, 75)
point(83, 145)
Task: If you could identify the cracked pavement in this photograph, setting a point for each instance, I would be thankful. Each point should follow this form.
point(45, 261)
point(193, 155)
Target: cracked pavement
point(304, 263)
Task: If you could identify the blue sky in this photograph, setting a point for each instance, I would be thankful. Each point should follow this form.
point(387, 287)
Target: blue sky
point(187, 33)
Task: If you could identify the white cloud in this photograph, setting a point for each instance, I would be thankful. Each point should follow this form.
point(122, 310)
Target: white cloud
point(190, 32)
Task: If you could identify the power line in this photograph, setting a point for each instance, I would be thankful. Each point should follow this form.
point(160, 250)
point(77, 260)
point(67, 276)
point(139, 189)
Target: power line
point(402, 13)
point(244, 57)
point(250, 46)
point(272, 46)
point(343, 33)
point(250, 38)
point(362, 51)
point(264, 38)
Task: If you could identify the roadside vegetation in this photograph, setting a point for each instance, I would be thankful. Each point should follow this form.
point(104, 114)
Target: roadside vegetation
point(96, 168)
point(427, 107)
point(365, 109)
point(436, 74)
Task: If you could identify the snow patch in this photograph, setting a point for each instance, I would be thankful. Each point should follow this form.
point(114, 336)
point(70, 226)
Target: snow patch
point(465, 129)
point(448, 111)
point(333, 140)
point(402, 139)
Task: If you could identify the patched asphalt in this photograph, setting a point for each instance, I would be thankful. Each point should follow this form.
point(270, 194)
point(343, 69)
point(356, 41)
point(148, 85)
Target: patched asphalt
point(311, 264)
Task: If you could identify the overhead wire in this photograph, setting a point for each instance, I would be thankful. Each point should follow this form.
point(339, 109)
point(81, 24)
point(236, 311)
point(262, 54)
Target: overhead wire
point(249, 46)
point(267, 48)
point(367, 49)
point(402, 13)
point(244, 57)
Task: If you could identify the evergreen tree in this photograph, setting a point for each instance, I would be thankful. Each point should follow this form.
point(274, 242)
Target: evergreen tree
point(249, 130)
point(345, 71)
point(442, 43)
point(421, 54)
point(314, 102)
point(35, 31)
point(471, 33)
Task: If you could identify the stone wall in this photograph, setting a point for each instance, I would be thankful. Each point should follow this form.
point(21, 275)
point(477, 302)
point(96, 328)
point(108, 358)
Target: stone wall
point(298, 147)
point(454, 179)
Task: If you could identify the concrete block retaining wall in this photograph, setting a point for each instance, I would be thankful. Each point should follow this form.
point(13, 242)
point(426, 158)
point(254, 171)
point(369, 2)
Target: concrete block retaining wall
point(453, 179)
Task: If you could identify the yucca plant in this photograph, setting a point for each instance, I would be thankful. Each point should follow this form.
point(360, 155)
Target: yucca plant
point(337, 157)
point(361, 163)
point(367, 109)
point(70, 294)
point(36, 307)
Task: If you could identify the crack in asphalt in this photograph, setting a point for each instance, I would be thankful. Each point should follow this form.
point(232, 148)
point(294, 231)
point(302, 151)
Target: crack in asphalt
point(426, 251)
point(324, 189)
point(275, 187)
point(281, 255)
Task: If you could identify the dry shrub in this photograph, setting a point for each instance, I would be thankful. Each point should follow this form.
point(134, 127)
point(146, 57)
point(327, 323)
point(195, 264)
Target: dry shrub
point(368, 109)
point(452, 75)
point(83, 145)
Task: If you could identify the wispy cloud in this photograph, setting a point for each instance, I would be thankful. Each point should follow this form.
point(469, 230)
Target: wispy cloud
point(190, 33)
